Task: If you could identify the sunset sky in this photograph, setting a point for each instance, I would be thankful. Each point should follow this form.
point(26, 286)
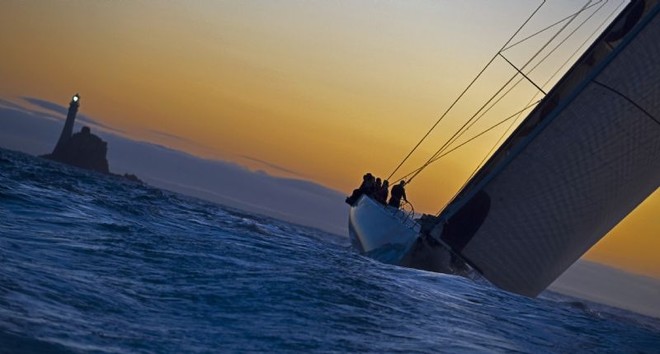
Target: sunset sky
point(311, 89)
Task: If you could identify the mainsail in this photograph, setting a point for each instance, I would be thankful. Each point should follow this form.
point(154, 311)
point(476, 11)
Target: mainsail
point(585, 157)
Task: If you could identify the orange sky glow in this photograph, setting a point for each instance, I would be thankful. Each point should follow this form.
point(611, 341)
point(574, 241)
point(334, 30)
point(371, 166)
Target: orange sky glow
point(328, 89)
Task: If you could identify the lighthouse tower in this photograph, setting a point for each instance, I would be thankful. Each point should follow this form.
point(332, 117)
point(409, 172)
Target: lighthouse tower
point(67, 131)
point(82, 149)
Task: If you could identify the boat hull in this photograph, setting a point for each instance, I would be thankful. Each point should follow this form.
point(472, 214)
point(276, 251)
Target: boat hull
point(381, 232)
point(390, 236)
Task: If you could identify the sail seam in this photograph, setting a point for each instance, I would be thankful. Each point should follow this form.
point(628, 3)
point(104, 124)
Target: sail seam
point(613, 90)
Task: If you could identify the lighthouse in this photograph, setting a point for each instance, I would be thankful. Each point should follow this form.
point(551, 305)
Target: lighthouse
point(67, 131)
point(82, 149)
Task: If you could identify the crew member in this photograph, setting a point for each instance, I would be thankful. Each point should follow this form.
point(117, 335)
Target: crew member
point(381, 194)
point(367, 187)
point(398, 192)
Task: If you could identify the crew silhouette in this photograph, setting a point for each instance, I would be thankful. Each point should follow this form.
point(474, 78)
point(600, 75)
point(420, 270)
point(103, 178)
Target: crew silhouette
point(398, 192)
point(378, 190)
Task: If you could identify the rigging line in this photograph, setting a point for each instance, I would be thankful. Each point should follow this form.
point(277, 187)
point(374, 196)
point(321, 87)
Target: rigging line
point(465, 90)
point(474, 172)
point(500, 90)
point(529, 72)
point(472, 121)
point(473, 138)
point(478, 118)
point(547, 28)
point(462, 129)
point(523, 74)
point(556, 46)
point(507, 92)
point(550, 52)
point(555, 73)
point(540, 62)
point(564, 41)
point(499, 140)
point(536, 54)
point(606, 20)
point(504, 95)
point(515, 115)
point(483, 161)
point(627, 99)
point(486, 156)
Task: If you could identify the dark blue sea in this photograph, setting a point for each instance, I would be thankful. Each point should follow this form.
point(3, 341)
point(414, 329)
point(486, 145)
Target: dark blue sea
point(91, 263)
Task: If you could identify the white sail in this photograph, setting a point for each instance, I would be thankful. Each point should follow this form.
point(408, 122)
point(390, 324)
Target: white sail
point(583, 159)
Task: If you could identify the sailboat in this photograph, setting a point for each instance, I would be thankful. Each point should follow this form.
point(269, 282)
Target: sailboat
point(586, 155)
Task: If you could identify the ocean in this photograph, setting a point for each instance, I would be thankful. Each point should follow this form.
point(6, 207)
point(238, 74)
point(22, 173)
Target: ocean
point(93, 263)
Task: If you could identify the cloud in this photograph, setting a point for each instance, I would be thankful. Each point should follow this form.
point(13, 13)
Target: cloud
point(53, 107)
point(176, 138)
point(62, 110)
point(9, 104)
point(170, 136)
point(273, 166)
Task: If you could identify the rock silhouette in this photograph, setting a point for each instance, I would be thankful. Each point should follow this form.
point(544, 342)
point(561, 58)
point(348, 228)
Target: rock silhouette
point(84, 150)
